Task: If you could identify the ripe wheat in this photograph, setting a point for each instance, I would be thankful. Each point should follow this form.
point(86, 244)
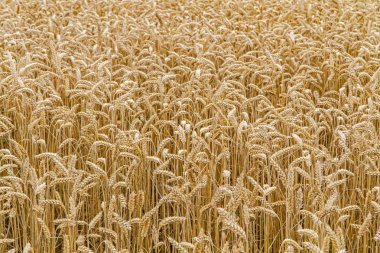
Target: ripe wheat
point(189, 126)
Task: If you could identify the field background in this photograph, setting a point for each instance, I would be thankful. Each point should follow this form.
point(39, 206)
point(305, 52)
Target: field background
point(190, 126)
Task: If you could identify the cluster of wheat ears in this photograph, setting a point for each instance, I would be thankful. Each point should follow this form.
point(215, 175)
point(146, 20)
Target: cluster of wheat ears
point(190, 126)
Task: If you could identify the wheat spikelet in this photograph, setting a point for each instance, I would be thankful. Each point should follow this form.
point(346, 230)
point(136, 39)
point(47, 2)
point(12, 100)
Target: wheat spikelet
point(292, 243)
point(364, 227)
point(265, 211)
point(311, 247)
point(45, 228)
point(309, 232)
point(110, 246)
point(170, 220)
point(95, 220)
point(85, 249)
point(124, 224)
point(177, 245)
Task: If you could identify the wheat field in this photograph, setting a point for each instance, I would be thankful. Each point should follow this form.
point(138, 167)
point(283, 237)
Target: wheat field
point(190, 126)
